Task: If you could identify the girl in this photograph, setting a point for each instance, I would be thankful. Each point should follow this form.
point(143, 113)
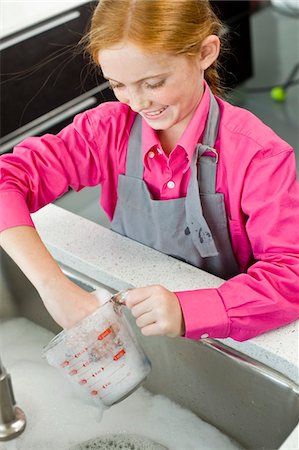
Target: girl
point(181, 170)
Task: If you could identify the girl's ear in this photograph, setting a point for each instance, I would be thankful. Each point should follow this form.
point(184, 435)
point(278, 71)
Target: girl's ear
point(209, 51)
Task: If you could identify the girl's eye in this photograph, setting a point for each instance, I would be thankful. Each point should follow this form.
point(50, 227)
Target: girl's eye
point(150, 86)
point(156, 85)
point(115, 86)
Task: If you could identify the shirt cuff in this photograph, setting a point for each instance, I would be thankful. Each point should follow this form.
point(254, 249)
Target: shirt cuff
point(204, 314)
point(14, 211)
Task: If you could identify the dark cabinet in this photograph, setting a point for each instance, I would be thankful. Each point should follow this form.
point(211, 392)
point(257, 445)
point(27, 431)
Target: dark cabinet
point(236, 65)
point(45, 79)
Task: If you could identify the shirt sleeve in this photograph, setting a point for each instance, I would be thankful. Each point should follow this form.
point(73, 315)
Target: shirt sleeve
point(267, 295)
point(41, 169)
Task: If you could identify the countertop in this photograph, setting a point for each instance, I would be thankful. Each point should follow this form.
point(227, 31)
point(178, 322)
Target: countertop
point(119, 262)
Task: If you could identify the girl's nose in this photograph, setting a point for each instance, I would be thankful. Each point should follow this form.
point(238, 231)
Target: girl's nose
point(138, 102)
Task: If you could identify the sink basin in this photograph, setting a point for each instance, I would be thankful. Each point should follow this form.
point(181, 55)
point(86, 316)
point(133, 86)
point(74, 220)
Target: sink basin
point(246, 400)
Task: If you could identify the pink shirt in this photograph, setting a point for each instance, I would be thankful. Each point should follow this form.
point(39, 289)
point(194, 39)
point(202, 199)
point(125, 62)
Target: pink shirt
point(256, 173)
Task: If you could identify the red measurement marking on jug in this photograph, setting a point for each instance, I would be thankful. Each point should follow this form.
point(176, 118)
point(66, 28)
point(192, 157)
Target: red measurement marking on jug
point(97, 372)
point(73, 372)
point(77, 355)
point(94, 392)
point(82, 382)
point(104, 333)
point(65, 364)
point(119, 355)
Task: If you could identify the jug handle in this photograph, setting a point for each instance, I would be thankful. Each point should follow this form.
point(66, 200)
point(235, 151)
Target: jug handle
point(120, 297)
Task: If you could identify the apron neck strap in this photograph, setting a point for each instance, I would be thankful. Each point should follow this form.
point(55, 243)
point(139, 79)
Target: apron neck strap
point(207, 165)
point(212, 124)
point(134, 162)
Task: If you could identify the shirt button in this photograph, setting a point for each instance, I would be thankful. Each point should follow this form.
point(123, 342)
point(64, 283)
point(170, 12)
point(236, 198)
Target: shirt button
point(171, 184)
point(204, 336)
point(151, 154)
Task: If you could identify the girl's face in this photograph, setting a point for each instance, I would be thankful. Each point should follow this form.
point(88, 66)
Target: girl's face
point(164, 89)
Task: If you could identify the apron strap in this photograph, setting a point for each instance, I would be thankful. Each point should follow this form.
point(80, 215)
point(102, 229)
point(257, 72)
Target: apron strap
point(207, 165)
point(134, 166)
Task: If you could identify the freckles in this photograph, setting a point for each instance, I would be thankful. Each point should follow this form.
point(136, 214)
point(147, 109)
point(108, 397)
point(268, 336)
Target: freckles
point(121, 98)
point(166, 99)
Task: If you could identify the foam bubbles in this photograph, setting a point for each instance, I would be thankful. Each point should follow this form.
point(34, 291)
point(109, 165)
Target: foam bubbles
point(58, 418)
point(120, 442)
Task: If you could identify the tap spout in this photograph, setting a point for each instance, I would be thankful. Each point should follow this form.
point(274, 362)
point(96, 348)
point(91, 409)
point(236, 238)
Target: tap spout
point(1, 368)
point(12, 418)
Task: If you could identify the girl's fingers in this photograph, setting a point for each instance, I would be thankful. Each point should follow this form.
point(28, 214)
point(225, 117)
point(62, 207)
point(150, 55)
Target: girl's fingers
point(137, 295)
point(152, 330)
point(145, 319)
point(157, 311)
point(141, 308)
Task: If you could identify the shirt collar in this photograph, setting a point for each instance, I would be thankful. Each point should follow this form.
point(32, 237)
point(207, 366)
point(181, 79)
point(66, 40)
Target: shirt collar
point(192, 134)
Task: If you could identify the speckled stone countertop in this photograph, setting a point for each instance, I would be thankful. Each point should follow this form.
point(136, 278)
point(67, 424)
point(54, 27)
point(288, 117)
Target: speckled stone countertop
point(119, 262)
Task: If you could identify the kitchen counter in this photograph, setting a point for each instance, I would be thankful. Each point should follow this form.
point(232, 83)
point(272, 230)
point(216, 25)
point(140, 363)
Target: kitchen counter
point(119, 262)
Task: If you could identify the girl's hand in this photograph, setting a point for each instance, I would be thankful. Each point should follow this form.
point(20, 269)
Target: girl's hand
point(157, 311)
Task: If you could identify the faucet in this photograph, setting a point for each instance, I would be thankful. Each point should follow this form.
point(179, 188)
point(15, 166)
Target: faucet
point(12, 418)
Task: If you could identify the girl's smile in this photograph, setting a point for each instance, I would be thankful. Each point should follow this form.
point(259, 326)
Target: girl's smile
point(153, 115)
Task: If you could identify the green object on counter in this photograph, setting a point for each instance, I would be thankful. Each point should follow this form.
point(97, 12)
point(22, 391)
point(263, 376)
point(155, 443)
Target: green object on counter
point(278, 94)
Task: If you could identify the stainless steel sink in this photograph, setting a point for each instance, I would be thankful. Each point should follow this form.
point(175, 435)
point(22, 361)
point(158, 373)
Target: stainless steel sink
point(248, 401)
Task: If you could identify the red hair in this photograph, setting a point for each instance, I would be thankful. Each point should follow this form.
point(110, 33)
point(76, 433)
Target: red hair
point(170, 26)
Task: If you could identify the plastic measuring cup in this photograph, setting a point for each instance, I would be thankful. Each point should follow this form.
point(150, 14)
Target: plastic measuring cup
point(101, 355)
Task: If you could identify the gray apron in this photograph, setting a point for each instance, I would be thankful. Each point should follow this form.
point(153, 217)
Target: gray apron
point(193, 228)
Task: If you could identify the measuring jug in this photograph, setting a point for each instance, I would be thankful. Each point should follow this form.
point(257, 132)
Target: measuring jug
point(101, 354)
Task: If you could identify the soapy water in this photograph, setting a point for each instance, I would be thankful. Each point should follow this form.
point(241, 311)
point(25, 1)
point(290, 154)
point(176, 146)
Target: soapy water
point(10, 445)
point(59, 418)
point(120, 442)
